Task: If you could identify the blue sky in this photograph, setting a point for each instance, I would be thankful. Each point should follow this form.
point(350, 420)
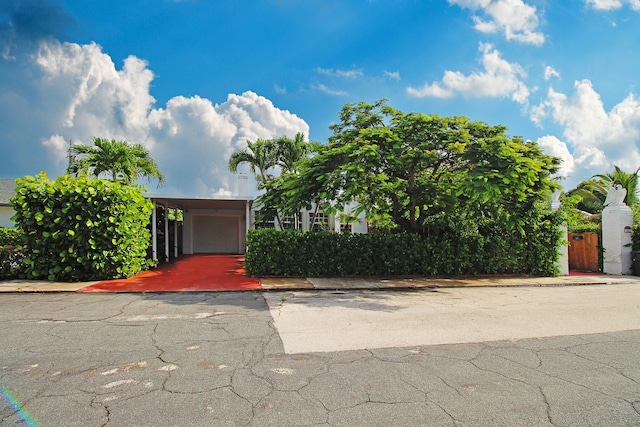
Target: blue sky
point(192, 80)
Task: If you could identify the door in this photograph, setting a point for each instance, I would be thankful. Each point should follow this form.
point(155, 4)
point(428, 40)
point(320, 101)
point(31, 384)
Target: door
point(216, 234)
point(583, 252)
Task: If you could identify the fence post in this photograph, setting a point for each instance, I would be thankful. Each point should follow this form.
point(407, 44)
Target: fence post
point(617, 220)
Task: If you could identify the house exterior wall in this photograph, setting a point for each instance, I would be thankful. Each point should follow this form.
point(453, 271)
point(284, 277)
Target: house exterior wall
point(6, 212)
point(328, 222)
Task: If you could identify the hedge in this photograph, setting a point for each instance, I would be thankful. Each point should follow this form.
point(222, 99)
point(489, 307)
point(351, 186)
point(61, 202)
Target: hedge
point(296, 253)
point(11, 236)
point(82, 229)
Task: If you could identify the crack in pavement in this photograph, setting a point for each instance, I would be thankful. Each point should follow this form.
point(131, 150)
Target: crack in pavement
point(173, 361)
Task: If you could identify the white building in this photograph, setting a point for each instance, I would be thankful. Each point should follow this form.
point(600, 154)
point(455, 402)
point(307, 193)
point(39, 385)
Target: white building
point(7, 190)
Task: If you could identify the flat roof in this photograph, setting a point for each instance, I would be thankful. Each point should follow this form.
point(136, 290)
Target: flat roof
point(186, 203)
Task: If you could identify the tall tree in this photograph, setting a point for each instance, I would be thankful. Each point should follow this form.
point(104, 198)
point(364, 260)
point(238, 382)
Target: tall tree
point(407, 169)
point(265, 154)
point(119, 160)
point(259, 155)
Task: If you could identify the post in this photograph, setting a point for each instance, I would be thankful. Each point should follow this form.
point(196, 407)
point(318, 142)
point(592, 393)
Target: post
point(154, 234)
point(247, 223)
point(175, 235)
point(166, 233)
point(617, 220)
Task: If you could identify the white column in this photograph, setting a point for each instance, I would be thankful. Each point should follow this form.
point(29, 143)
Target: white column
point(166, 233)
point(617, 221)
point(175, 236)
point(154, 234)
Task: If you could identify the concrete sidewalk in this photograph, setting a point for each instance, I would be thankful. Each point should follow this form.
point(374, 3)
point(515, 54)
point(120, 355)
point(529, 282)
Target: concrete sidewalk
point(350, 283)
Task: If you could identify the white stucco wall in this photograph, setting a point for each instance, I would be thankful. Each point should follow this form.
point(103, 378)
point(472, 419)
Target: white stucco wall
point(6, 212)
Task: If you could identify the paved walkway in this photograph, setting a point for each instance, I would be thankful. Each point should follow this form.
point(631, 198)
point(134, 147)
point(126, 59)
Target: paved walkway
point(347, 283)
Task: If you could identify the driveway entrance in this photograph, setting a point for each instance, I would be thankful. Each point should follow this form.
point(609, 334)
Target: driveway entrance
point(201, 272)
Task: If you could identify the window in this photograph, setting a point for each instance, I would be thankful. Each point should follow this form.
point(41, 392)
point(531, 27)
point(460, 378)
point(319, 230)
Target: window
point(320, 221)
point(291, 222)
point(263, 224)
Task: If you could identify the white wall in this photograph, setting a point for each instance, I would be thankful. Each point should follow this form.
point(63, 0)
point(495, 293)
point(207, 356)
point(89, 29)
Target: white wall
point(6, 212)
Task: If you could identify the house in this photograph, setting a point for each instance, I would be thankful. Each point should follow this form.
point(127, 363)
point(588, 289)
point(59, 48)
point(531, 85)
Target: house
point(311, 219)
point(210, 225)
point(7, 190)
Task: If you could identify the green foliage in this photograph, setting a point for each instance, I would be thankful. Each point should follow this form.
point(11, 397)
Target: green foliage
point(117, 159)
point(579, 221)
point(405, 169)
point(11, 236)
point(82, 229)
point(445, 251)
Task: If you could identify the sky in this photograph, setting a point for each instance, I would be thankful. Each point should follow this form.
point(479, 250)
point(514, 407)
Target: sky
point(193, 80)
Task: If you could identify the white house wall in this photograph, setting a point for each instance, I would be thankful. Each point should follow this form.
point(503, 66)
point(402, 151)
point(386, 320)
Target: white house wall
point(359, 226)
point(6, 212)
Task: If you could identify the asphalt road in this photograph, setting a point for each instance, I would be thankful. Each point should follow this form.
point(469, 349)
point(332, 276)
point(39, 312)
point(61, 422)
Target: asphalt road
point(458, 357)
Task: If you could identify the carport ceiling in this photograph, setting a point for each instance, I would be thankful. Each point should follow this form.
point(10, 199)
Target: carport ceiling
point(199, 203)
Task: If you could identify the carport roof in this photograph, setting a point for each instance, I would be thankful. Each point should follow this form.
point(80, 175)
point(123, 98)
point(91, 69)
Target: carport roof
point(187, 203)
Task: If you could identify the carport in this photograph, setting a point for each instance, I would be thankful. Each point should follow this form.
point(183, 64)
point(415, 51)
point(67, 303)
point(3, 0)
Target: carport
point(210, 225)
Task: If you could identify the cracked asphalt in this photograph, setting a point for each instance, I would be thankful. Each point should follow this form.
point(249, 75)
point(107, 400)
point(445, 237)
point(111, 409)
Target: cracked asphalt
point(293, 358)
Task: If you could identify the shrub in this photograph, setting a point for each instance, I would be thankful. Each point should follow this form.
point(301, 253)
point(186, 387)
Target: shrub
point(11, 262)
point(11, 236)
point(82, 229)
point(443, 252)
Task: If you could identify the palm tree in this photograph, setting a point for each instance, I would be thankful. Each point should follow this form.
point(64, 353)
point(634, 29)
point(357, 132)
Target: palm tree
point(260, 155)
point(119, 160)
point(290, 151)
point(628, 181)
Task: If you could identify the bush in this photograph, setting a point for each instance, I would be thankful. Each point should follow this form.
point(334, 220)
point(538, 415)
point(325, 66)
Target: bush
point(82, 229)
point(11, 262)
point(443, 252)
point(11, 236)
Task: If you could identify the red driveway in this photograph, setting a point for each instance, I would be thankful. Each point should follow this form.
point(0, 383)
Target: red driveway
point(187, 273)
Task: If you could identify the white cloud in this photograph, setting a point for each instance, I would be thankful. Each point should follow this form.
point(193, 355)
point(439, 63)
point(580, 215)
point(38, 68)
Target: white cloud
point(76, 92)
point(549, 72)
point(395, 75)
point(499, 79)
point(554, 147)
point(325, 89)
point(347, 74)
point(613, 4)
point(516, 19)
point(599, 138)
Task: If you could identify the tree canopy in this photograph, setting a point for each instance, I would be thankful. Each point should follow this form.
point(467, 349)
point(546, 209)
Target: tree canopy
point(406, 170)
point(119, 160)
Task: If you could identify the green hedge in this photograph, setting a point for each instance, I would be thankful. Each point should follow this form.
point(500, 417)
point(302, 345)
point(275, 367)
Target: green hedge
point(81, 228)
point(295, 253)
point(11, 236)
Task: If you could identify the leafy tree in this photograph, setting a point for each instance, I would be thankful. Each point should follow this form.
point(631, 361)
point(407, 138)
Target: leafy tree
point(411, 171)
point(119, 160)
